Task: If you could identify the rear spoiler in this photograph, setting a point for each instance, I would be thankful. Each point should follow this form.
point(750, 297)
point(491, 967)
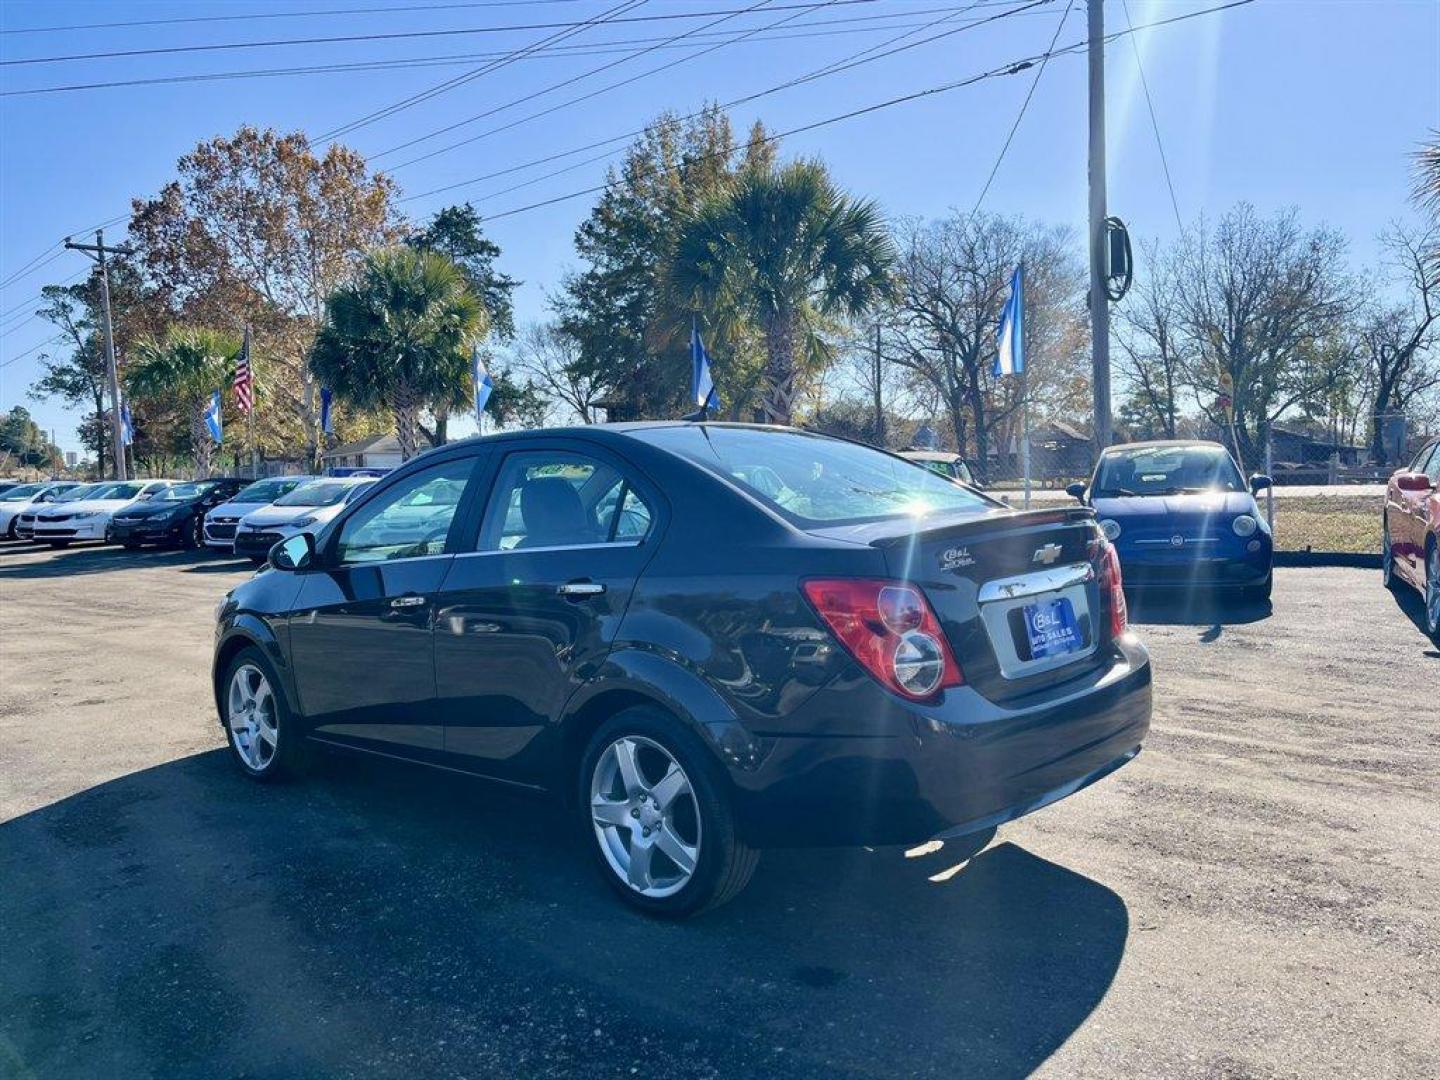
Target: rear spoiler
point(1007, 522)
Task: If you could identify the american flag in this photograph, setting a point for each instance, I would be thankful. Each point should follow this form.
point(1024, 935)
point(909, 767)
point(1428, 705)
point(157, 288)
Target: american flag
point(244, 379)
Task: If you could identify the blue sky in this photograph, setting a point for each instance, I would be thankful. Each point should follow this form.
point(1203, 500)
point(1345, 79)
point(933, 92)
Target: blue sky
point(1315, 104)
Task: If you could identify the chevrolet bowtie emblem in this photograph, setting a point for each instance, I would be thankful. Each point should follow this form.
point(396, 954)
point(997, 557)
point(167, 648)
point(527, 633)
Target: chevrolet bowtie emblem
point(1047, 554)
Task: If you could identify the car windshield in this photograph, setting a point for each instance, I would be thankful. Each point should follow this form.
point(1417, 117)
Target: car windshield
point(267, 491)
point(23, 493)
point(813, 480)
point(183, 492)
point(84, 491)
point(317, 493)
point(113, 491)
point(1165, 470)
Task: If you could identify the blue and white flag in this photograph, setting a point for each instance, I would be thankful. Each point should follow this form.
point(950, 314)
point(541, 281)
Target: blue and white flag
point(484, 384)
point(1010, 355)
point(327, 422)
point(212, 419)
point(702, 383)
point(127, 425)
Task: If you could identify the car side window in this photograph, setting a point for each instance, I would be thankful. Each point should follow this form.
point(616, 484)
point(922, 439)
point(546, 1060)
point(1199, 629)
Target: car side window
point(1432, 469)
point(555, 498)
point(410, 520)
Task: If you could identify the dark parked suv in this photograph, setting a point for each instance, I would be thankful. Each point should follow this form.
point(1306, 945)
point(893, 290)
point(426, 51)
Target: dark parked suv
point(706, 639)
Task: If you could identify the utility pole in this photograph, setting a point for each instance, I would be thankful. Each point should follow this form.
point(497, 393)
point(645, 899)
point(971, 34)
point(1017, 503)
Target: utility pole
point(1099, 241)
point(98, 251)
point(879, 405)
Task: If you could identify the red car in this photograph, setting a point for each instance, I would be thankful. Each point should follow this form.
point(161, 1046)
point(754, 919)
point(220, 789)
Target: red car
point(1411, 548)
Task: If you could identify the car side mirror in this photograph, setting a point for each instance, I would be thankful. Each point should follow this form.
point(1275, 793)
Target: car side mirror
point(293, 553)
point(1259, 482)
point(1412, 481)
point(1076, 491)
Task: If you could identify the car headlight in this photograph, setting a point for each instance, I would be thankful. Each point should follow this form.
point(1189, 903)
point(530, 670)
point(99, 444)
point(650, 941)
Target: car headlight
point(1244, 525)
point(303, 523)
point(1111, 528)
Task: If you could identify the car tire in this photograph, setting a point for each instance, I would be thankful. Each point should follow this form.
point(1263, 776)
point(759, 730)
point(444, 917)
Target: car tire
point(1387, 557)
point(57, 544)
point(280, 754)
point(190, 535)
point(690, 814)
point(130, 545)
point(1432, 590)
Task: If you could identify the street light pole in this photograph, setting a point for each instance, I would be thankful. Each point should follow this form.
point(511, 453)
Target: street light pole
point(1099, 261)
point(117, 435)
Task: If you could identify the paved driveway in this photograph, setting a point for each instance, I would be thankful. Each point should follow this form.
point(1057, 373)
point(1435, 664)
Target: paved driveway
point(1256, 895)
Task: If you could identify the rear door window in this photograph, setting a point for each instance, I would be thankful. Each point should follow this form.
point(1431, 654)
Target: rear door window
point(558, 498)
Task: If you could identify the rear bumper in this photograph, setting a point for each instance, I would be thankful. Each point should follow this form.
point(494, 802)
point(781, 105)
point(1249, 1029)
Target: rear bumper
point(959, 766)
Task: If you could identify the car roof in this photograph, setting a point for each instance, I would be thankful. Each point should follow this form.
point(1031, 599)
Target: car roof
point(1160, 444)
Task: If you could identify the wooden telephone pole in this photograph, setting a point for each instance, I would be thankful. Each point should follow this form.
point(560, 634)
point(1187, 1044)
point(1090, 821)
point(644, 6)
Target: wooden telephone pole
point(98, 251)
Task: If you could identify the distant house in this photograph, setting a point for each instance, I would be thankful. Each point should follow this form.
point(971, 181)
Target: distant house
point(1058, 451)
point(376, 452)
point(1304, 448)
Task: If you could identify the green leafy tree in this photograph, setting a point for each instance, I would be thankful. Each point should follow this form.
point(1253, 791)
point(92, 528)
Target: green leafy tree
point(257, 229)
point(185, 367)
point(629, 331)
point(399, 338)
point(456, 232)
point(22, 442)
point(785, 249)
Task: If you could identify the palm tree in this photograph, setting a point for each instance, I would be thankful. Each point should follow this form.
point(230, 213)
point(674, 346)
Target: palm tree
point(187, 365)
point(399, 338)
point(786, 250)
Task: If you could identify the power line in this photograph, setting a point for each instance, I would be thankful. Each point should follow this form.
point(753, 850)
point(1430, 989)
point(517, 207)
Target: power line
point(459, 80)
point(1154, 124)
point(599, 48)
point(1007, 69)
point(585, 75)
point(845, 62)
point(34, 348)
point(38, 297)
point(833, 68)
point(258, 15)
point(230, 46)
point(1024, 105)
point(33, 265)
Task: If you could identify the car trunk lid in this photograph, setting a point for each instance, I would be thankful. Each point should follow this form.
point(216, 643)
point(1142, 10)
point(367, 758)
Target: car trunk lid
point(1019, 594)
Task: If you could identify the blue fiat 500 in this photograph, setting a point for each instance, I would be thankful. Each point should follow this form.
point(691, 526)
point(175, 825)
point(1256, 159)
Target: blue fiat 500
point(1181, 516)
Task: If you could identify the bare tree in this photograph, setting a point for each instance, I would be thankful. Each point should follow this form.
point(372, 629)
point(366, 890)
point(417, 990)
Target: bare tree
point(954, 274)
point(1259, 298)
point(1151, 341)
point(550, 359)
point(1395, 340)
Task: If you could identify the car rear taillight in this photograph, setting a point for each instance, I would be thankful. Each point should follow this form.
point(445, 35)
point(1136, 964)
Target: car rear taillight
point(1112, 588)
point(889, 627)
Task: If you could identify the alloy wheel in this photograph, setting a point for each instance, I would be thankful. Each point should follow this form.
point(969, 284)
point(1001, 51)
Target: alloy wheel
point(251, 717)
point(645, 815)
point(1432, 591)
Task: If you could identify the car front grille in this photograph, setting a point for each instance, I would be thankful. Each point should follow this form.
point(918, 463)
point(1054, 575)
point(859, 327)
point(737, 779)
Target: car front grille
point(259, 541)
point(220, 529)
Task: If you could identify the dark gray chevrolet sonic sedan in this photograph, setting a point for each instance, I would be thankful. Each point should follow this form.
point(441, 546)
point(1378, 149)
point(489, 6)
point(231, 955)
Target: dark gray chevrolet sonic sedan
point(706, 639)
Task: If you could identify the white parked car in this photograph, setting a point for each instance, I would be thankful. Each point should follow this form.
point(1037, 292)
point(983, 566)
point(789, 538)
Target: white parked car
point(221, 522)
point(31, 497)
point(306, 509)
point(88, 518)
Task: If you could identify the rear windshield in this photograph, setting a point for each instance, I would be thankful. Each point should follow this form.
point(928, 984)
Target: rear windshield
point(317, 493)
point(813, 480)
point(1165, 470)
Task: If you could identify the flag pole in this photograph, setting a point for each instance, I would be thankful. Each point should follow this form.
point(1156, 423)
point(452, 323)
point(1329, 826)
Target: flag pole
point(250, 413)
point(1025, 430)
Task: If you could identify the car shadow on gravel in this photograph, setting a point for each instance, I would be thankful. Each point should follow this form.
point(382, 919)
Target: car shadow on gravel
point(385, 920)
point(96, 558)
point(1410, 602)
point(1178, 607)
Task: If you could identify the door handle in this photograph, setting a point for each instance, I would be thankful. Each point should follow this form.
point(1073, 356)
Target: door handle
point(407, 601)
point(578, 590)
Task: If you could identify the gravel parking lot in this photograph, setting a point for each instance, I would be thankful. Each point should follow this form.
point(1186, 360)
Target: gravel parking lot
point(1257, 895)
